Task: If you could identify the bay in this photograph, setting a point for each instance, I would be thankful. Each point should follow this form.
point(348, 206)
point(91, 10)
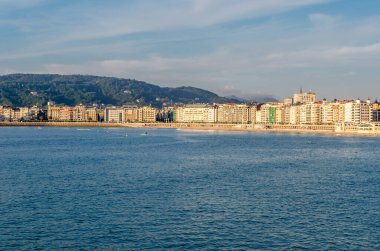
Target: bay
point(104, 188)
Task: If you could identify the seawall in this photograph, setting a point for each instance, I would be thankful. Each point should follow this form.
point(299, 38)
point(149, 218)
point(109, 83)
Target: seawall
point(302, 129)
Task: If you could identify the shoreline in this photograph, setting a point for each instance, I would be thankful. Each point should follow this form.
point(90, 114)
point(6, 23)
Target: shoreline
point(198, 127)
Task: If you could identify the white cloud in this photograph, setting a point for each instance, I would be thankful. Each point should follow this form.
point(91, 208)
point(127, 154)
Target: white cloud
point(224, 66)
point(367, 51)
point(338, 56)
point(98, 22)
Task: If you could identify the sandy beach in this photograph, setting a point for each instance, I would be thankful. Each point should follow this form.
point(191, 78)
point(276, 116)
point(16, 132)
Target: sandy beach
point(327, 130)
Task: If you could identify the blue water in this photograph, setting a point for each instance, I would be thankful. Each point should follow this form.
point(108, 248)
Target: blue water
point(118, 189)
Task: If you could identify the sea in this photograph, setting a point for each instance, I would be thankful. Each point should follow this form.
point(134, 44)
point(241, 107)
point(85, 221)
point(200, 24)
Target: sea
point(167, 189)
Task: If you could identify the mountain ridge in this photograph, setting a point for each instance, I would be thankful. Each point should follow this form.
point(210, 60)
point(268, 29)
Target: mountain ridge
point(26, 89)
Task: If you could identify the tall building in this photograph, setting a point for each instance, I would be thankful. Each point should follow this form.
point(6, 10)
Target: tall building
point(147, 114)
point(358, 112)
point(60, 113)
point(7, 112)
point(131, 113)
point(304, 97)
point(269, 113)
point(91, 114)
point(234, 113)
point(327, 113)
point(258, 117)
point(253, 110)
point(200, 113)
point(294, 115)
point(376, 111)
point(79, 113)
point(287, 114)
point(21, 113)
point(114, 114)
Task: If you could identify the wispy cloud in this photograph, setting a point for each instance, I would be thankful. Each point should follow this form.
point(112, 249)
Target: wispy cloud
point(339, 56)
point(88, 21)
point(252, 45)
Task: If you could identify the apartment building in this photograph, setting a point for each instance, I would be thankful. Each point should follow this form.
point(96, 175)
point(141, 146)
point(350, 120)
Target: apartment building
point(114, 115)
point(146, 114)
point(253, 111)
point(201, 113)
point(358, 112)
point(7, 112)
point(268, 113)
point(294, 115)
point(376, 111)
point(234, 113)
point(131, 113)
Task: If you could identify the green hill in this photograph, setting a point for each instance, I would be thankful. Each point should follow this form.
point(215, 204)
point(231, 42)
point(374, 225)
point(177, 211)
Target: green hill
point(38, 89)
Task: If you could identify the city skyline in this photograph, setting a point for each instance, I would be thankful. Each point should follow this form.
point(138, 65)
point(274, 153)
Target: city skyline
point(237, 48)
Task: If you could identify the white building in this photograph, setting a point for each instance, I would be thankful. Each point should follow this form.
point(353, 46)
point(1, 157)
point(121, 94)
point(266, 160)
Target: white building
point(201, 113)
point(358, 112)
point(114, 115)
point(304, 97)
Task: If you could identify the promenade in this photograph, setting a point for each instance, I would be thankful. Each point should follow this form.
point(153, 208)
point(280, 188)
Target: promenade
point(305, 129)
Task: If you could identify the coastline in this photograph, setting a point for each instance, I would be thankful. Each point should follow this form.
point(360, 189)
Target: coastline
point(327, 130)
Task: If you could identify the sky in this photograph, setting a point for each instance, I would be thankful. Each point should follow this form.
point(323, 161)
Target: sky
point(231, 47)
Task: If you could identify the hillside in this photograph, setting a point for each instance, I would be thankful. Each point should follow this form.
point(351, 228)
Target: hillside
point(38, 89)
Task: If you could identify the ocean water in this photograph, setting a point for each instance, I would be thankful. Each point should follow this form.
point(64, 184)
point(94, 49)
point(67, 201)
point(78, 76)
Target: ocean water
point(122, 189)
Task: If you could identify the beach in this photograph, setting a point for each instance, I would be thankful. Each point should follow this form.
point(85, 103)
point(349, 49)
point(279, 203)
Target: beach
point(300, 129)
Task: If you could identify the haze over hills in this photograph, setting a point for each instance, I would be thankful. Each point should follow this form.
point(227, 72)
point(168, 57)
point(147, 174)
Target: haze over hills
point(38, 89)
point(261, 98)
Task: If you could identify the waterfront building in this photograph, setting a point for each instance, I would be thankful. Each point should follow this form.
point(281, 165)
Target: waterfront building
point(253, 111)
point(358, 112)
point(53, 112)
point(280, 114)
point(294, 115)
point(114, 114)
point(305, 113)
point(315, 113)
point(101, 115)
point(287, 114)
point(340, 110)
point(60, 113)
point(146, 114)
point(376, 111)
point(91, 114)
point(327, 113)
point(165, 114)
point(67, 113)
point(268, 113)
point(200, 113)
point(35, 112)
point(7, 112)
point(131, 113)
point(79, 113)
point(233, 113)
point(258, 117)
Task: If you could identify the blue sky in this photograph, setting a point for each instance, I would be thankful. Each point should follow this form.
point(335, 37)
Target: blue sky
point(240, 47)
